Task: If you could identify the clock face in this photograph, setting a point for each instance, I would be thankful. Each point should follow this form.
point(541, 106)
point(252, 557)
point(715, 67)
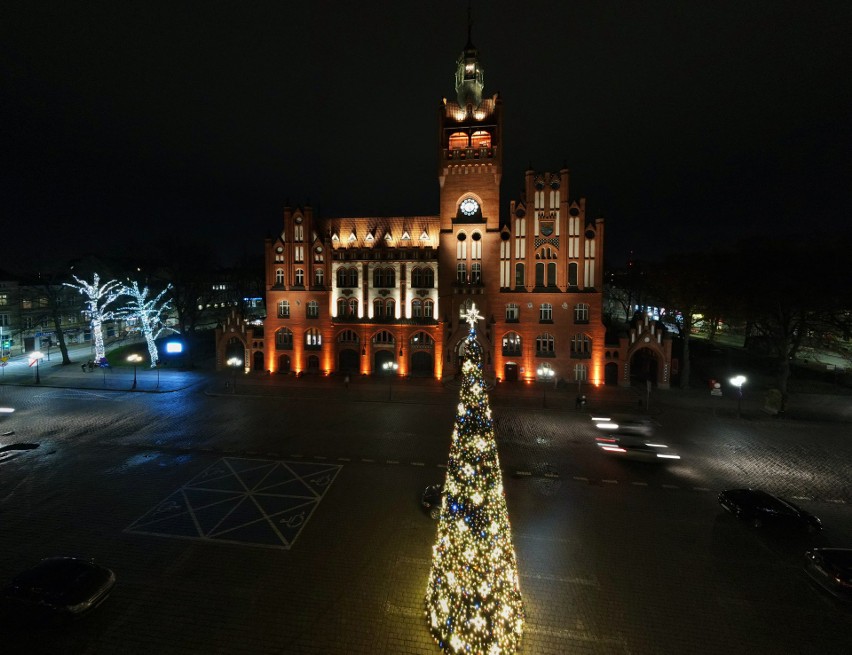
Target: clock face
point(469, 207)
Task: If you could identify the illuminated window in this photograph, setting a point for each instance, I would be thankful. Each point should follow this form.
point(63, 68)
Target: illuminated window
point(318, 277)
point(300, 277)
point(378, 308)
point(513, 312)
point(458, 141)
point(461, 273)
point(476, 273)
point(581, 372)
point(416, 309)
point(284, 309)
point(581, 313)
point(279, 276)
point(390, 308)
point(428, 309)
point(480, 139)
point(512, 344)
point(313, 339)
point(353, 307)
point(545, 312)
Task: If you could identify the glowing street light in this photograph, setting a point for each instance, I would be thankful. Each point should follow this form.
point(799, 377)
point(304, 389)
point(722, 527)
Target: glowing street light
point(545, 374)
point(235, 363)
point(738, 381)
point(390, 368)
point(134, 359)
point(35, 357)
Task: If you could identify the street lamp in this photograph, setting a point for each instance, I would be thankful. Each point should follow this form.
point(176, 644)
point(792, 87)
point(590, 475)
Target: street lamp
point(738, 382)
point(546, 374)
point(35, 357)
point(134, 359)
point(390, 368)
point(235, 362)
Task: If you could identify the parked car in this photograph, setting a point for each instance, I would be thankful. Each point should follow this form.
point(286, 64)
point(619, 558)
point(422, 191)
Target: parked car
point(59, 587)
point(831, 569)
point(761, 509)
point(431, 500)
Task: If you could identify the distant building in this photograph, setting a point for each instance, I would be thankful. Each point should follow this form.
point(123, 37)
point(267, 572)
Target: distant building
point(363, 295)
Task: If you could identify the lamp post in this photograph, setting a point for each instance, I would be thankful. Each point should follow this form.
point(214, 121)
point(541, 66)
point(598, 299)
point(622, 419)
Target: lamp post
point(35, 357)
point(234, 363)
point(738, 381)
point(545, 374)
point(134, 359)
point(391, 368)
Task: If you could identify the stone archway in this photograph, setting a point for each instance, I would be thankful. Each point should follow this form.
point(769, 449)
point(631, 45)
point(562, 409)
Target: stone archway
point(644, 367)
point(234, 347)
point(380, 358)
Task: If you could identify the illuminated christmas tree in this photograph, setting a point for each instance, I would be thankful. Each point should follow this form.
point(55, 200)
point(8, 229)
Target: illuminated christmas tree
point(147, 314)
point(98, 297)
point(473, 602)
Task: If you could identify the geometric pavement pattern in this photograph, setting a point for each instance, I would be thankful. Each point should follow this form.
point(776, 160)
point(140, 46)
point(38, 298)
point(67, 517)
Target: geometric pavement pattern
point(255, 502)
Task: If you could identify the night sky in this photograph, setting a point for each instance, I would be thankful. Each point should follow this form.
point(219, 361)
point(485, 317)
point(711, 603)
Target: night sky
point(684, 123)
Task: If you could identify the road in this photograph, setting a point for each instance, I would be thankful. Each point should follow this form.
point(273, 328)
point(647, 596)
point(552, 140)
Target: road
point(331, 554)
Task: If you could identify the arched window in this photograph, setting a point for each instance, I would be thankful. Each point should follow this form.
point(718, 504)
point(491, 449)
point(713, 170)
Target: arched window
point(353, 307)
point(341, 277)
point(581, 345)
point(384, 278)
point(353, 277)
point(341, 307)
point(551, 274)
point(300, 277)
point(378, 308)
point(428, 309)
point(422, 340)
point(313, 339)
point(283, 309)
point(544, 345)
point(512, 344)
point(319, 277)
point(428, 278)
point(480, 139)
point(572, 274)
point(461, 273)
point(284, 339)
point(458, 141)
point(416, 278)
point(519, 275)
point(476, 273)
point(279, 276)
point(390, 308)
point(312, 309)
point(348, 336)
point(539, 274)
point(390, 277)
point(416, 308)
point(383, 337)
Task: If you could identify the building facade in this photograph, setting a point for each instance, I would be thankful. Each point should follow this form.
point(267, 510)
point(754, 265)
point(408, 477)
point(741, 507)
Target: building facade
point(371, 295)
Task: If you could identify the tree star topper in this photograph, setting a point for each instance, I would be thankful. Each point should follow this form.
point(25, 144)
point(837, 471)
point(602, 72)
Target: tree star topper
point(472, 316)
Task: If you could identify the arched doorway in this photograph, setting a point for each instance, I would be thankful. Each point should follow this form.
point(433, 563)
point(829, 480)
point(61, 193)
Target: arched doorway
point(422, 364)
point(611, 373)
point(283, 364)
point(313, 364)
point(235, 348)
point(257, 361)
point(380, 358)
point(347, 361)
point(643, 367)
point(510, 371)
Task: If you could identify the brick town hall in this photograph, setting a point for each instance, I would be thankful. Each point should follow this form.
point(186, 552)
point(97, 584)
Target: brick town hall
point(385, 295)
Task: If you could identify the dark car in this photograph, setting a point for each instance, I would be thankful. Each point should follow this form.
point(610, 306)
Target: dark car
point(431, 500)
point(59, 587)
point(831, 568)
point(760, 509)
point(634, 447)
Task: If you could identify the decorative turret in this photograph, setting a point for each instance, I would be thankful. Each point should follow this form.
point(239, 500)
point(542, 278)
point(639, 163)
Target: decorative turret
point(470, 76)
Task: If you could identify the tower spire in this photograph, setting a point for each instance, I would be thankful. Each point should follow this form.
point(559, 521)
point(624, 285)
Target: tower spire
point(470, 76)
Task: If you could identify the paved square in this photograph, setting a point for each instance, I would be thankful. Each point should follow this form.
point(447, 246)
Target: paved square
point(255, 502)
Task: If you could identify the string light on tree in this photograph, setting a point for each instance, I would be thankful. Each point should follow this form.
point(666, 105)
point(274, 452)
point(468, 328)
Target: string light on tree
point(473, 600)
point(98, 298)
point(148, 313)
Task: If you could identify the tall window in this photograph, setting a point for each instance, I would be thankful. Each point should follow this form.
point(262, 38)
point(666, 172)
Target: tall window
point(422, 278)
point(476, 273)
point(551, 274)
point(581, 372)
point(348, 336)
point(476, 246)
point(312, 310)
point(342, 278)
point(384, 278)
point(581, 313)
point(513, 312)
point(461, 274)
point(416, 308)
point(353, 307)
point(390, 308)
point(300, 277)
point(512, 344)
point(378, 308)
point(545, 312)
point(428, 309)
point(572, 274)
point(519, 275)
point(383, 337)
point(283, 309)
point(318, 277)
point(299, 233)
point(279, 276)
point(353, 277)
point(581, 345)
point(544, 345)
point(299, 253)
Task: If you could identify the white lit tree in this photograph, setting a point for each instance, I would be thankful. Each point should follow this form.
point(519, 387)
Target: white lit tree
point(147, 313)
point(98, 298)
point(473, 601)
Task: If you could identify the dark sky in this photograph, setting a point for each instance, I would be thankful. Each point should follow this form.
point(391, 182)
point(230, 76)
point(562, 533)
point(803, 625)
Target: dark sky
point(684, 123)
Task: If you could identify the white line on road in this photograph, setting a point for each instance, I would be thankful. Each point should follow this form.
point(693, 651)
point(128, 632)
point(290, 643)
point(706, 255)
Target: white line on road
point(343, 459)
point(670, 486)
point(391, 461)
point(418, 464)
point(835, 500)
point(589, 582)
point(577, 477)
point(610, 481)
point(640, 484)
point(369, 461)
point(700, 489)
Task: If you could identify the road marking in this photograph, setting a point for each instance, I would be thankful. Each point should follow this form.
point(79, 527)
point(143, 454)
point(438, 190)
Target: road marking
point(296, 455)
point(589, 582)
point(640, 484)
point(670, 486)
point(370, 461)
point(535, 537)
point(700, 489)
point(610, 481)
point(418, 464)
point(523, 473)
point(551, 475)
point(343, 459)
point(390, 608)
point(835, 500)
point(320, 457)
point(577, 477)
point(391, 461)
point(801, 498)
